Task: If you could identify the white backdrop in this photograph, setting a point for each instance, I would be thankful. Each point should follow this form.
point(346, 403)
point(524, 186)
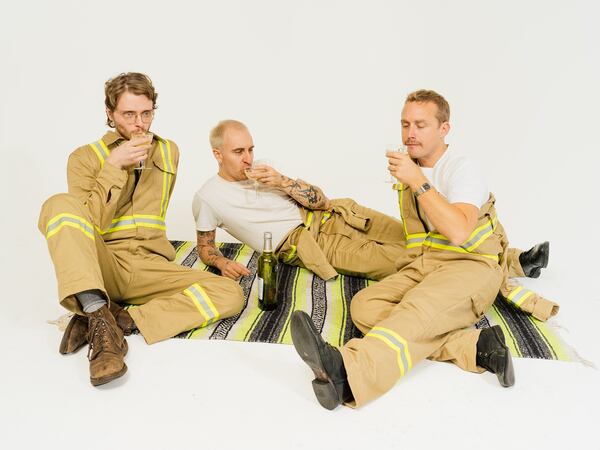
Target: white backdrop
point(321, 85)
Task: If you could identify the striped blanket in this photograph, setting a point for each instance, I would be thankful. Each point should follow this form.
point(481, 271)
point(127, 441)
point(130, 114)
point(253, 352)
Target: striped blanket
point(328, 304)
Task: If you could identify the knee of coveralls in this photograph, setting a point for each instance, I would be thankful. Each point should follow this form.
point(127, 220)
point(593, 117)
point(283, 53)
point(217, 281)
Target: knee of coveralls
point(72, 248)
point(367, 312)
point(201, 304)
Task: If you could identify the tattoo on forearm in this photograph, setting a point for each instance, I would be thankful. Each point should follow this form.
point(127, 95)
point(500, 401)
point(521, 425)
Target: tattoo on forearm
point(304, 193)
point(207, 249)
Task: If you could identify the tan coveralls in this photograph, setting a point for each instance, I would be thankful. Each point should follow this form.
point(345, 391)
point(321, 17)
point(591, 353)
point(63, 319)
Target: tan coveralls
point(422, 311)
point(109, 233)
point(355, 240)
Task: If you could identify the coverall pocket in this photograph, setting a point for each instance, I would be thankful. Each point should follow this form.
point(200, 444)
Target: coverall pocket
point(478, 305)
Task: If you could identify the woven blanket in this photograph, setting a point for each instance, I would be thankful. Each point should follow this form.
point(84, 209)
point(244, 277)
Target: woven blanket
point(327, 302)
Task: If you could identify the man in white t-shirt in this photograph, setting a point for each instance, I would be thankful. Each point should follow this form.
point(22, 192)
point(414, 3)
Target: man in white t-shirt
point(310, 230)
point(454, 265)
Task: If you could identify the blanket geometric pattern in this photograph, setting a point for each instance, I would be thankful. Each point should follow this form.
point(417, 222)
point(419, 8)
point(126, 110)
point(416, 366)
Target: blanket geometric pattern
point(327, 302)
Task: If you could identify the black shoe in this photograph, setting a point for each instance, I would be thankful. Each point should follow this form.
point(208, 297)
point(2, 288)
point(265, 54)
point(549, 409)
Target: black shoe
point(535, 259)
point(331, 383)
point(494, 356)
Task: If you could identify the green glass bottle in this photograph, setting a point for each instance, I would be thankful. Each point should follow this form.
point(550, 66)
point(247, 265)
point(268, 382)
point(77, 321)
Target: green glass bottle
point(267, 276)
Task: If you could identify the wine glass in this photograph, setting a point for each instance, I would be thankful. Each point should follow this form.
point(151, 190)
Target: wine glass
point(251, 173)
point(147, 139)
point(394, 148)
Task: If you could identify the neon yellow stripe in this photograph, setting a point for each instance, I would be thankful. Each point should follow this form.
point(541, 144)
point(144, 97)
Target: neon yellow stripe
point(165, 181)
point(299, 289)
point(514, 292)
point(393, 347)
point(72, 225)
point(309, 219)
point(72, 216)
point(522, 299)
point(169, 154)
point(457, 250)
point(198, 306)
point(98, 154)
point(402, 216)
point(483, 238)
point(103, 145)
point(511, 342)
point(209, 302)
point(401, 340)
point(292, 254)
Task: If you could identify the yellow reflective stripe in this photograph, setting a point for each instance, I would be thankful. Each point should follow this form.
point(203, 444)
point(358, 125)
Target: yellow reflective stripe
point(203, 303)
point(401, 204)
point(291, 254)
point(165, 152)
point(137, 220)
point(519, 295)
point(309, 219)
point(101, 151)
point(69, 220)
point(454, 248)
point(325, 218)
point(396, 343)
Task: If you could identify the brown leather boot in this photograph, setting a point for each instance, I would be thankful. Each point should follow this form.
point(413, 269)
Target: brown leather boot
point(75, 335)
point(123, 319)
point(107, 347)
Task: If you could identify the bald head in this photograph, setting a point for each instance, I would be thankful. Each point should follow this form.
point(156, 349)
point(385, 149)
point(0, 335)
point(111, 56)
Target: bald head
point(217, 134)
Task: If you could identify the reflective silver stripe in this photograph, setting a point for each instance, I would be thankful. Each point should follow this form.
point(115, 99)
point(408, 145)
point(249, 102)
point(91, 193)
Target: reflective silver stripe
point(164, 148)
point(72, 220)
point(478, 236)
point(135, 221)
point(100, 149)
point(417, 240)
point(399, 345)
point(122, 223)
point(210, 316)
point(441, 241)
point(518, 295)
point(142, 220)
point(164, 202)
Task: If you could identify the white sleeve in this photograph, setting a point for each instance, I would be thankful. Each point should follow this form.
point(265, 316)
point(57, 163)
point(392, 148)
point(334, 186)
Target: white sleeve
point(205, 217)
point(466, 184)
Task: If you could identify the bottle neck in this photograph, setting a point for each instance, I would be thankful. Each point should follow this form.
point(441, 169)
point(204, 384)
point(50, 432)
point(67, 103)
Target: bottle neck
point(268, 245)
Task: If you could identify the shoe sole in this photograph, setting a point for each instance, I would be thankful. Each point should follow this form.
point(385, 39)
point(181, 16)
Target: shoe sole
point(507, 377)
point(306, 344)
point(114, 376)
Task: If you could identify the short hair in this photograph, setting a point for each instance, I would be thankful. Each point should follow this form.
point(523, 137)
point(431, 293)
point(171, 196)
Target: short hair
point(218, 132)
point(425, 95)
point(134, 82)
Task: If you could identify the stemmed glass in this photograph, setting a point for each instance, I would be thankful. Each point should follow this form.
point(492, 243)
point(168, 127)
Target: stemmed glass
point(250, 173)
point(394, 148)
point(147, 139)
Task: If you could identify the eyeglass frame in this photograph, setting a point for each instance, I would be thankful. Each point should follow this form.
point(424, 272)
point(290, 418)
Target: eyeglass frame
point(130, 117)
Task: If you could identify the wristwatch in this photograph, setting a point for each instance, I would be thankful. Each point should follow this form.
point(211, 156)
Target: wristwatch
point(424, 188)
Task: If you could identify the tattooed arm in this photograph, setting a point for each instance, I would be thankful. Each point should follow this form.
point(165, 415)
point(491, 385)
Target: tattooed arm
point(308, 195)
point(211, 256)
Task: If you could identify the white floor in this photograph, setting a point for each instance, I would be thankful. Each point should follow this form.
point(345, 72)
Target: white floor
point(231, 395)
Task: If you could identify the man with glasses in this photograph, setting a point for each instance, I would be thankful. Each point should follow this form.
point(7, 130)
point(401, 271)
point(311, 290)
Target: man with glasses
point(107, 239)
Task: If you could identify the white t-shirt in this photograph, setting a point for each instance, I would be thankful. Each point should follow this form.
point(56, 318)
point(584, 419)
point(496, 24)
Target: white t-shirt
point(235, 207)
point(458, 179)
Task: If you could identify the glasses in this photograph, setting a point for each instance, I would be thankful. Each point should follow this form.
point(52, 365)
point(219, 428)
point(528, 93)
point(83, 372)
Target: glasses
point(131, 117)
